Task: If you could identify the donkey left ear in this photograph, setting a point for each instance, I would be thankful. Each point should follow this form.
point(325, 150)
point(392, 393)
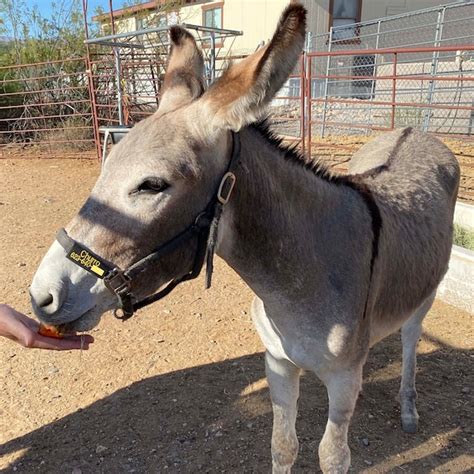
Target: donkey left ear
point(184, 78)
point(240, 95)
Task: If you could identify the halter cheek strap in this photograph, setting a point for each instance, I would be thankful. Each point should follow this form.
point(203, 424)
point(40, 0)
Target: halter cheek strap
point(204, 229)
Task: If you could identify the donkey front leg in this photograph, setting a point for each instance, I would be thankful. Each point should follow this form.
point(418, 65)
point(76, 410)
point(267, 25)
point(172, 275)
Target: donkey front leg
point(283, 379)
point(411, 332)
point(343, 389)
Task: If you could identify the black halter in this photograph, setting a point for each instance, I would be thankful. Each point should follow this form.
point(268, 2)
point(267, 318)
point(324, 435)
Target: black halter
point(204, 228)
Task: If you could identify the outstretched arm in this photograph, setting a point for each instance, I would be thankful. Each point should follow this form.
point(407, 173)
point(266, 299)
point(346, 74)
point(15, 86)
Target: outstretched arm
point(20, 328)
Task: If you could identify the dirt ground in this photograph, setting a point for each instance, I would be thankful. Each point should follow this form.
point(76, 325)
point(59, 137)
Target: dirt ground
point(181, 388)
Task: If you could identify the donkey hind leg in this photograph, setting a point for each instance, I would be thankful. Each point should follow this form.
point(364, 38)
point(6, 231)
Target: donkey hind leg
point(411, 332)
point(343, 390)
point(283, 379)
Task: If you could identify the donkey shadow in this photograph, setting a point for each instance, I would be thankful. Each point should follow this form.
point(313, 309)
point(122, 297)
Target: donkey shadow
point(217, 418)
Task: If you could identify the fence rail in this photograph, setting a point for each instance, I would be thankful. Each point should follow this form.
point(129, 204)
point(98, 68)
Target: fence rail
point(381, 89)
point(45, 109)
point(396, 88)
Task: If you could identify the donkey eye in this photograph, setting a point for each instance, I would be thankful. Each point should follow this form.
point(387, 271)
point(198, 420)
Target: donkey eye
point(152, 186)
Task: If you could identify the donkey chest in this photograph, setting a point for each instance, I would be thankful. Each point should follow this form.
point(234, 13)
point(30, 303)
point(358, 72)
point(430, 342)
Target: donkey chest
point(307, 342)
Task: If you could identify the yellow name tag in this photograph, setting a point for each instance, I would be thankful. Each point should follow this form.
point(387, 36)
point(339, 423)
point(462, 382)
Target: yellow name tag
point(87, 261)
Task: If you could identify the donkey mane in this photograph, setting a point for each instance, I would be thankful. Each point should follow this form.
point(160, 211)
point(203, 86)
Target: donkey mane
point(317, 167)
point(293, 155)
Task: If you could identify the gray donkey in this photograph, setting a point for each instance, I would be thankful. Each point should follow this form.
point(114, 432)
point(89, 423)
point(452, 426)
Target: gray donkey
point(337, 262)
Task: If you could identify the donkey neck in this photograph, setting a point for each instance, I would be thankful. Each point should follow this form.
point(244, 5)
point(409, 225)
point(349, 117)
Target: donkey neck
point(284, 222)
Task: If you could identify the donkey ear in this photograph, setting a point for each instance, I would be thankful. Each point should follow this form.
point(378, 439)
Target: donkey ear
point(184, 78)
point(240, 95)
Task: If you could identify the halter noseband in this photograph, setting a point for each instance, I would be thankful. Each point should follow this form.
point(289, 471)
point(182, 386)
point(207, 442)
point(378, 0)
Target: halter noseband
point(204, 228)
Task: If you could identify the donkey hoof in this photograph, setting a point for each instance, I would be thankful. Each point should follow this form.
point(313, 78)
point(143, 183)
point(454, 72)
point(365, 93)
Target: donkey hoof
point(410, 425)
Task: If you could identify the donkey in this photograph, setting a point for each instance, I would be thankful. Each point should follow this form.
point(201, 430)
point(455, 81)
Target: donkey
point(337, 263)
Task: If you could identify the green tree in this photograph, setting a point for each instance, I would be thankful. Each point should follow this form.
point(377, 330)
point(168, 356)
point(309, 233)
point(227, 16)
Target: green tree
point(35, 38)
point(53, 87)
point(10, 90)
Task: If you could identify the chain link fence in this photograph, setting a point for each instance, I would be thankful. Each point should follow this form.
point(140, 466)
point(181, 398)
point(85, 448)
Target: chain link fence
point(384, 89)
point(447, 25)
point(434, 84)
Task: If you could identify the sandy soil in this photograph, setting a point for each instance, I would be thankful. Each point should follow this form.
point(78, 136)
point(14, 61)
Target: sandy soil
point(181, 388)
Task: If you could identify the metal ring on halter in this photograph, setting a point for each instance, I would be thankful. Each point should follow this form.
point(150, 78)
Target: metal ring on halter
point(223, 195)
point(119, 313)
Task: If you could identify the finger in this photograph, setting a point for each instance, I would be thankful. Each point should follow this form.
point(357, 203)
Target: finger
point(78, 337)
point(31, 323)
point(70, 343)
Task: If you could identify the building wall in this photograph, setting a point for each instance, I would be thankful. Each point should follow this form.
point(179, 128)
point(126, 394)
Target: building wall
point(122, 25)
point(258, 18)
point(318, 10)
point(374, 9)
point(318, 15)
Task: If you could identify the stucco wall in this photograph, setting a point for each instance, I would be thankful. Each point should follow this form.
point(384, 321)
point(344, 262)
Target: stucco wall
point(258, 18)
point(374, 9)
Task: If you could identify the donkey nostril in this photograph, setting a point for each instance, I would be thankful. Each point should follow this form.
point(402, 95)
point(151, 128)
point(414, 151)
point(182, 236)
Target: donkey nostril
point(45, 301)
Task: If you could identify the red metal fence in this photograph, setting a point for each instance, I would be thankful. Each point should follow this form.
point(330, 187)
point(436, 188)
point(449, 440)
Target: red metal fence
point(431, 88)
point(141, 76)
point(357, 93)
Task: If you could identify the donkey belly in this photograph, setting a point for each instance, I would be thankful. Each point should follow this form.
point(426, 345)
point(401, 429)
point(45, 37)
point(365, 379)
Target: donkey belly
point(382, 326)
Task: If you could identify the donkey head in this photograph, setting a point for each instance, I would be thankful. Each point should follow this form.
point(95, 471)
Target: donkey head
point(162, 175)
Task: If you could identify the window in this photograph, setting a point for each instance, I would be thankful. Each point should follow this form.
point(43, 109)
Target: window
point(212, 17)
point(342, 15)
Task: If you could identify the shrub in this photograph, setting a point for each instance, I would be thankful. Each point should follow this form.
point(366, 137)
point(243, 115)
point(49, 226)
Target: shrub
point(463, 237)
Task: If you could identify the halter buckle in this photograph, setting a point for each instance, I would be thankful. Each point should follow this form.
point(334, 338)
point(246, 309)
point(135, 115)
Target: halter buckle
point(117, 282)
point(226, 187)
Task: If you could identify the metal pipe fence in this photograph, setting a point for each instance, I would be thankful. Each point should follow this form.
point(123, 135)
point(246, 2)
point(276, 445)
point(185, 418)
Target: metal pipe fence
point(381, 89)
point(45, 109)
point(341, 92)
point(339, 107)
point(127, 70)
point(414, 69)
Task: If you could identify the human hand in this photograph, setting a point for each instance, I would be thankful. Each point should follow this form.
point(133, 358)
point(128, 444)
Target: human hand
point(24, 330)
